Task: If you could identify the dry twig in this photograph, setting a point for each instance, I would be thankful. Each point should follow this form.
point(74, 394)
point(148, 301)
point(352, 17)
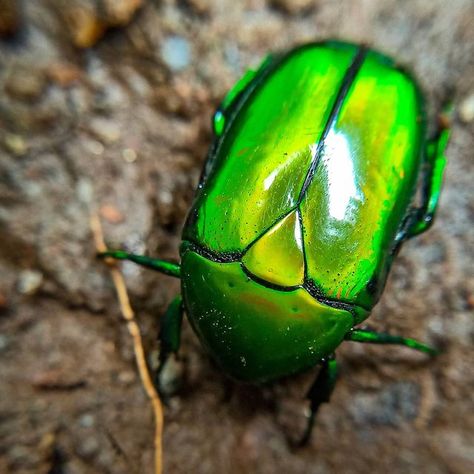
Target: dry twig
point(134, 330)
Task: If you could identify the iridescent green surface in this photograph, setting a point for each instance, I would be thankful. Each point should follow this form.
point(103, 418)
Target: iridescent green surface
point(306, 191)
point(351, 209)
point(363, 184)
point(257, 333)
point(305, 198)
point(277, 256)
point(264, 154)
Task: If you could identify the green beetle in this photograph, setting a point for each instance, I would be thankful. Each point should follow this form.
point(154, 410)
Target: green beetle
point(306, 196)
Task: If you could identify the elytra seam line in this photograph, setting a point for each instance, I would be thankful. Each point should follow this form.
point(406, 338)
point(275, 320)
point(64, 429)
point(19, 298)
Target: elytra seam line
point(349, 77)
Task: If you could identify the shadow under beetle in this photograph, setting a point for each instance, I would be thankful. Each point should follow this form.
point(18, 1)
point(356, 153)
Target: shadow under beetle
point(308, 191)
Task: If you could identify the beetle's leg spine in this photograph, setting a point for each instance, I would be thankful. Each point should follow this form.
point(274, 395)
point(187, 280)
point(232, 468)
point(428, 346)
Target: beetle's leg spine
point(366, 335)
point(162, 266)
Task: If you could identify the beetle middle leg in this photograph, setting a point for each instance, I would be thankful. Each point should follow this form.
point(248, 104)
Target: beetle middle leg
point(367, 335)
point(433, 168)
point(170, 340)
point(319, 393)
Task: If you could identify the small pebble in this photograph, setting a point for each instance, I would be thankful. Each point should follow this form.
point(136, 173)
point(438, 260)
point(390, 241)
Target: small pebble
point(84, 25)
point(165, 197)
point(95, 147)
point(3, 342)
point(25, 84)
point(126, 377)
point(176, 52)
point(29, 282)
point(84, 190)
point(120, 12)
point(171, 376)
point(292, 6)
point(64, 74)
point(86, 420)
point(55, 379)
point(15, 144)
point(88, 448)
point(106, 130)
point(201, 7)
point(111, 214)
point(129, 155)
point(466, 109)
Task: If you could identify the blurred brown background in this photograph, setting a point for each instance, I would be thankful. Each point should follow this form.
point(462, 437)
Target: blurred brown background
point(110, 102)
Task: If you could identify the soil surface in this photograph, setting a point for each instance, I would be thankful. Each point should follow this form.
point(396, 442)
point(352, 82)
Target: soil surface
point(109, 102)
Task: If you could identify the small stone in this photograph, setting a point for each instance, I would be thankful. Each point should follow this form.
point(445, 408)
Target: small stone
point(466, 109)
point(3, 342)
point(29, 282)
point(129, 155)
point(25, 84)
point(111, 214)
point(171, 376)
point(200, 7)
point(127, 377)
point(88, 448)
point(15, 144)
point(55, 379)
point(106, 130)
point(85, 191)
point(94, 146)
point(86, 420)
point(176, 52)
point(47, 443)
point(85, 27)
point(9, 17)
point(165, 197)
point(64, 74)
point(292, 7)
point(120, 12)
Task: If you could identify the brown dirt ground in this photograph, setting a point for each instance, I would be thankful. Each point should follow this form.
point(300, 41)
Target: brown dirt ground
point(126, 122)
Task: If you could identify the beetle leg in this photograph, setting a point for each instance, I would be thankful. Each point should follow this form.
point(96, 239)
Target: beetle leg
point(170, 339)
point(220, 115)
point(367, 335)
point(319, 393)
point(163, 266)
point(435, 161)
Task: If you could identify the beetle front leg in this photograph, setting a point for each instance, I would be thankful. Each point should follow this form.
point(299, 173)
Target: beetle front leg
point(170, 340)
point(162, 266)
point(319, 393)
point(434, 165)
point(367, 335)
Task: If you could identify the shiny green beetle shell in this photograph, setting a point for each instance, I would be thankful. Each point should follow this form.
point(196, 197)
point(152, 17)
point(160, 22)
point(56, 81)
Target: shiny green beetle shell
point(301, 207)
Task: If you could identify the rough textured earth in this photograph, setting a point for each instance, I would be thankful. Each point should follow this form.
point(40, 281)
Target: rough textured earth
point(110, 103)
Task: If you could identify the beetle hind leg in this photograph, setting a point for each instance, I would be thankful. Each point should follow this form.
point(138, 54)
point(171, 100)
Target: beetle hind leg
point(319, 393)
point(433, 168)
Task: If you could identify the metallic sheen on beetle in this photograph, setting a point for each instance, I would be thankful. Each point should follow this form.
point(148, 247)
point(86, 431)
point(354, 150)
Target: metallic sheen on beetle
point(308, 192)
